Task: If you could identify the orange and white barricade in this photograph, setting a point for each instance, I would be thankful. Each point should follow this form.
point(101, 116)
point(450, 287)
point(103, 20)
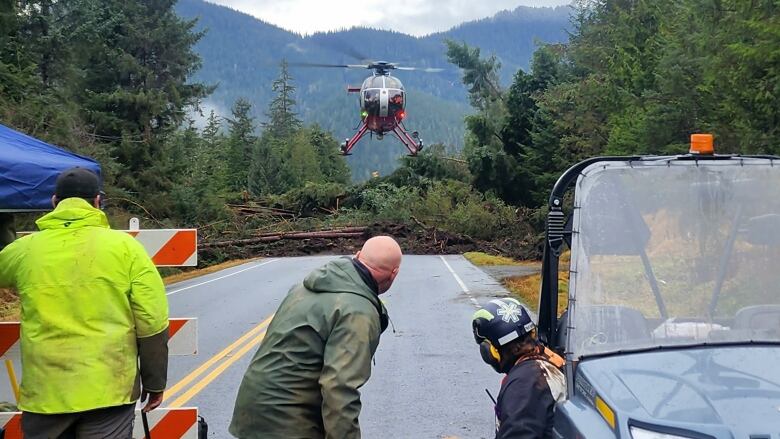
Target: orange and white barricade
point(11, 422)
point(168, 247)
point(183, 336)
point(167, 423)
point(183, 333)
point(164, 423)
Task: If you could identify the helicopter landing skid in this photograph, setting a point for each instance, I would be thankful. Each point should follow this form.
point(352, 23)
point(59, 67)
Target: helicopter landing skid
point(412, 143)
point(350, 143)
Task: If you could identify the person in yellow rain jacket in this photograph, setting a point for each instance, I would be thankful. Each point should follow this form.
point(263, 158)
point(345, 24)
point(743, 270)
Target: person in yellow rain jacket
point(93, 304)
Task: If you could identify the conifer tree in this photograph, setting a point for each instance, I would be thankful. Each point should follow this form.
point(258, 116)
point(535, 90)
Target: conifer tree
point(273, 166)
point(282, 119)
point(332, 166)
point(241, 142)
point(134, 61)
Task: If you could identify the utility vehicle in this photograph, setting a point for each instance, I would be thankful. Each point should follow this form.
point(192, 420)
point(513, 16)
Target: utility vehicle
point(672, 327)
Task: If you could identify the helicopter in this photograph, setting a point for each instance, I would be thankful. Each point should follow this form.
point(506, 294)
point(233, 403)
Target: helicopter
point(382, 104)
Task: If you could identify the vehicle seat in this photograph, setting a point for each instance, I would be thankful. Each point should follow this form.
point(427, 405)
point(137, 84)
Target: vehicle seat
point(614, 323)
point(764, 319)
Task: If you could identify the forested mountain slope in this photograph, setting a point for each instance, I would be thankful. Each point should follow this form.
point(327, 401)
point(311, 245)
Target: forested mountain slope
point(242, 54)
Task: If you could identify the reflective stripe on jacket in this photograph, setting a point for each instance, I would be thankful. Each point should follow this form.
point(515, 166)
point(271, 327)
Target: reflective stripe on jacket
point(87, 294)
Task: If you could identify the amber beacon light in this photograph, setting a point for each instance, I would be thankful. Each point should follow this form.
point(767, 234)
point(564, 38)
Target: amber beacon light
point(702, 144)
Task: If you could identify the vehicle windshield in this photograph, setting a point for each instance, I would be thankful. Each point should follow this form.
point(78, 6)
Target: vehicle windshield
point(673, 252)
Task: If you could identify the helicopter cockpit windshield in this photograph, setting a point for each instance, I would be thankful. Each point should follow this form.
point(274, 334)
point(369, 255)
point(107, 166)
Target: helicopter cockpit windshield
point(396, 101)
point(396, 97)
point(382, 96)
point(370, 101)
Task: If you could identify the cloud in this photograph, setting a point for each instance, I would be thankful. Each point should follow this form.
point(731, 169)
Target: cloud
point(416, 17)
point(201, 116)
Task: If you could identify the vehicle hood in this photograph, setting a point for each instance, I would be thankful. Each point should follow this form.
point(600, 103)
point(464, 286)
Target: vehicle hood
point(733, 387)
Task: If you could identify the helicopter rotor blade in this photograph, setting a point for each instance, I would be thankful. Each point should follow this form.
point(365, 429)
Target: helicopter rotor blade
point(336, 66)
point(419, 69)
point(340, 46)
point(351, 51)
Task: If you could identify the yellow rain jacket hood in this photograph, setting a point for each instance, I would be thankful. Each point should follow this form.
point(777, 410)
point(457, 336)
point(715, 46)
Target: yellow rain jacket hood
point(87, 293)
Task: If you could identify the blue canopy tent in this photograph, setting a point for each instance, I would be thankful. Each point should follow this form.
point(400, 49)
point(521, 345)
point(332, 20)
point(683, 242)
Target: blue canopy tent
point(29, 169)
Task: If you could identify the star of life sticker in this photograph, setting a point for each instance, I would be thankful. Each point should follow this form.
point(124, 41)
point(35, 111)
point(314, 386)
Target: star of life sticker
point(509, 312)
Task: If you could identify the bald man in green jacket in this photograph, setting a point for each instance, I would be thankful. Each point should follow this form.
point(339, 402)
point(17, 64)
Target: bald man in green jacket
point(304, 381)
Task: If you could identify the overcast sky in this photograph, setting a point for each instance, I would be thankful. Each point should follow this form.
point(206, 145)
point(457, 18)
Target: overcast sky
point(416, 17)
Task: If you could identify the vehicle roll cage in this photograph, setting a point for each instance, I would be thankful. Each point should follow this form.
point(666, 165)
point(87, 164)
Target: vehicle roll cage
point(558, 232)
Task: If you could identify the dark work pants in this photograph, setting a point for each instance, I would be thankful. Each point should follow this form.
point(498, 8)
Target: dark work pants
point(111, 422)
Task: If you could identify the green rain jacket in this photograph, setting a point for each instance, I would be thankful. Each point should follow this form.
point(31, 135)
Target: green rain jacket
point(303, 381)
point(90, 296)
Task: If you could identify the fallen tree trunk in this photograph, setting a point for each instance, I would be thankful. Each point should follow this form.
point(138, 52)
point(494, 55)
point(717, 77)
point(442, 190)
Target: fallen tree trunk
point(280, 236)
point(251, 210)
point(319, 233)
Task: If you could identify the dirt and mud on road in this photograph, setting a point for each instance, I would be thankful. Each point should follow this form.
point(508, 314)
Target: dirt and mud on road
point(413, 239)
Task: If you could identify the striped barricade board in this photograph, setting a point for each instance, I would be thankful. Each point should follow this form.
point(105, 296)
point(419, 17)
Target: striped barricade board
point(169, 247)
point(179, 423)
point(164, 423)
point(183, 340)
point(166, 247)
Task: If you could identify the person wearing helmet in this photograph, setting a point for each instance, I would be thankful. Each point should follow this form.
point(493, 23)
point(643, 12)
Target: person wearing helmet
point(534, 382)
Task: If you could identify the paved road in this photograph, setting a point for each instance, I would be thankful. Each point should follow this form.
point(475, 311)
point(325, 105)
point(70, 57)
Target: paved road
point(428, 381)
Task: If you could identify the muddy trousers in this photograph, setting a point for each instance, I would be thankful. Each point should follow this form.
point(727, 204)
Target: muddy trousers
point(111, 422)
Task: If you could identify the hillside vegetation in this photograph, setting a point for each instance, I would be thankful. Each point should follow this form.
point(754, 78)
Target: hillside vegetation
point(637, 77)
point(117, 81)
point(241, 55)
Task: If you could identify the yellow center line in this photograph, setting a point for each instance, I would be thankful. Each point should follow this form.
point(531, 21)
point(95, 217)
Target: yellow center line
point(176, 388)
point(180, 401)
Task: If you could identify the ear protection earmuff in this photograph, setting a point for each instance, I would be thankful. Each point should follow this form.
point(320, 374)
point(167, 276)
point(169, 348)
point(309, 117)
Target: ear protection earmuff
point(494, 352)
point(490, 355)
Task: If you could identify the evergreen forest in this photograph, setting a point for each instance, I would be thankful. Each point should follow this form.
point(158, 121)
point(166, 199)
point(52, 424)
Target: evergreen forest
point(188, 138)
